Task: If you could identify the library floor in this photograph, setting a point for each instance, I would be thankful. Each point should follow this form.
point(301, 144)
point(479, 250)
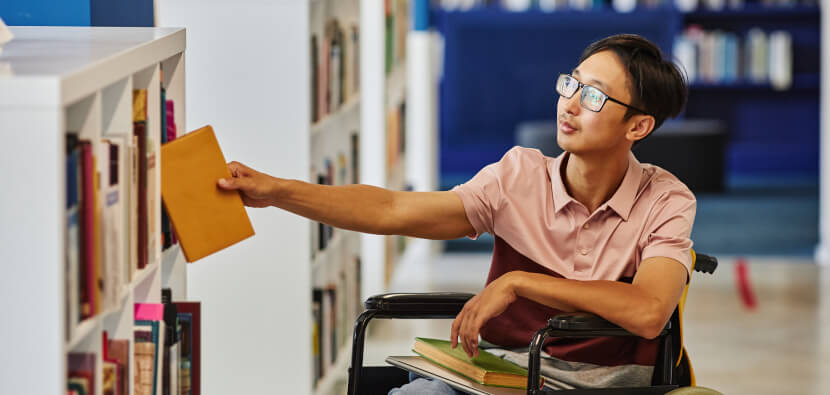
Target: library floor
point(782, 346)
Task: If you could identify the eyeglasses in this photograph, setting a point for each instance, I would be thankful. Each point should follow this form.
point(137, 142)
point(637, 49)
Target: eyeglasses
point(592, 98)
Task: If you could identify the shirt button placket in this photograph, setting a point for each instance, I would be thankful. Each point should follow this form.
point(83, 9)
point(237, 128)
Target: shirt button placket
point(582, 262)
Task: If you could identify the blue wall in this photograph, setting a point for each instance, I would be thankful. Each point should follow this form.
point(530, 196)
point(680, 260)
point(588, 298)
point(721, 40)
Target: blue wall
point(500, 66)
point(77, 12)
point(45, 12)
point(500, 70)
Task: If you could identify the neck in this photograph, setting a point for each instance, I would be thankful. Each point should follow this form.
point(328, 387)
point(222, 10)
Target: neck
point(593, 179)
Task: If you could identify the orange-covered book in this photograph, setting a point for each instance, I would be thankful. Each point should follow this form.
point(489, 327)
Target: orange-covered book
point(205, 218)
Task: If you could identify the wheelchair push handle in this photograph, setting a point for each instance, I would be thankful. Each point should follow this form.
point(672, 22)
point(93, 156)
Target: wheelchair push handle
point(705, 263)
point(449, 303)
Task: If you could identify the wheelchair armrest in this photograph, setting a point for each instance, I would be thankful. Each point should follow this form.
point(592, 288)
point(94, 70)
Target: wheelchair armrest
point(431, 303)
point(578, 324)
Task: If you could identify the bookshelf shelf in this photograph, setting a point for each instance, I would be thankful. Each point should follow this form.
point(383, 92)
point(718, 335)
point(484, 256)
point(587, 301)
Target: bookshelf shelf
point(756, 11)
point(143, 275)
point(59, 83)
point(333, 122)
point(323, 258)
point(84, 329)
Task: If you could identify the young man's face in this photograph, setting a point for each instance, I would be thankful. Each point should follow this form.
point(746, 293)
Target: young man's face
point(580, 130)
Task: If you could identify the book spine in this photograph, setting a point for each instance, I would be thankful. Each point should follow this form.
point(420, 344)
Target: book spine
point(141, 133)
point(73, 236)
point(133, 231)
point(87, 232)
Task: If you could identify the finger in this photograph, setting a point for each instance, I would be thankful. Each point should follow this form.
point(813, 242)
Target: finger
point(469, 316)
point(472, 335)
point(474, 340)
point(238, 169)
point(234, 183)
point(227, 183)
point(471, 343)
point(456, 324)
point(465, 337)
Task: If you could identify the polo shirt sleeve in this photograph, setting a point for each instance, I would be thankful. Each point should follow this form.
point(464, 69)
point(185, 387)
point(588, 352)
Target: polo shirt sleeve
point(668, 232)
point(484, 193)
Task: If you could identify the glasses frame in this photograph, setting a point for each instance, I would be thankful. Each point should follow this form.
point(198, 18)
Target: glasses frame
point(582, 95)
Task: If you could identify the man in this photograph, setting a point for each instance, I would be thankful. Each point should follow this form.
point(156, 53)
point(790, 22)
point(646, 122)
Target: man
point(569, 230)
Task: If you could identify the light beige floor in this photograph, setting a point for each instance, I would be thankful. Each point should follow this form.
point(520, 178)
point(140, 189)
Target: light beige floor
point(781, 347)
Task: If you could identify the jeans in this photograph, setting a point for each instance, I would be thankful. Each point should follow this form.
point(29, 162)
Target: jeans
point(423, 386)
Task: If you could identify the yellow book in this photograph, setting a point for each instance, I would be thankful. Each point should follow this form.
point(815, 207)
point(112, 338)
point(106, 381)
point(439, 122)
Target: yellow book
point(205, 218)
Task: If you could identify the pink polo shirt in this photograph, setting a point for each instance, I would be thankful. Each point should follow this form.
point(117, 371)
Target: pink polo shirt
point(522, 201)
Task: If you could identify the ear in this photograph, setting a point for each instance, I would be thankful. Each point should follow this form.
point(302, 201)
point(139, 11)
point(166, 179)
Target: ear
point(639, 126)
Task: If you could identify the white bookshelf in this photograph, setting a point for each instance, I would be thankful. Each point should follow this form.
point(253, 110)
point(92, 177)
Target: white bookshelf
point(257, 295)
point(406, 79)
point(54, 80)
point(336, 265)
point(251, 81)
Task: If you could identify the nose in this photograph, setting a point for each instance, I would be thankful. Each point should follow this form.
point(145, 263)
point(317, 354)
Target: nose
point(572, 105)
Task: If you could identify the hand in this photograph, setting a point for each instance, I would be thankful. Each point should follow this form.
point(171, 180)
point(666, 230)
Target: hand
point(491, 302)
point(257, 189)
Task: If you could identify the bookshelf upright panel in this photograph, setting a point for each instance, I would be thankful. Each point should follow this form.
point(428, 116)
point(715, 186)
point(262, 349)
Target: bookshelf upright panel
point(247, 75)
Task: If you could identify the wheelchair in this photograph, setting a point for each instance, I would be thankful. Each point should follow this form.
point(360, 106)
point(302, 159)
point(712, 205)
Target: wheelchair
point(672, 369)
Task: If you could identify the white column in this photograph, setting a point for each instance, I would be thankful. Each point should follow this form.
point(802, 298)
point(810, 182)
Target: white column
point(822, 255)
point(421, 99)
point(372, 134)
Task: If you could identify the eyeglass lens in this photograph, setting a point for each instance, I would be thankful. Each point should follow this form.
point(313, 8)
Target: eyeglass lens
point(591, 98)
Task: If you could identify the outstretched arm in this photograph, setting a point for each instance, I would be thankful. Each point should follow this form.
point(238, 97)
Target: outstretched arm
point(362, 208)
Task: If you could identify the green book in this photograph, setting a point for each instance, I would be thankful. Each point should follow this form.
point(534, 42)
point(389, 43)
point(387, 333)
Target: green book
point(486, 368)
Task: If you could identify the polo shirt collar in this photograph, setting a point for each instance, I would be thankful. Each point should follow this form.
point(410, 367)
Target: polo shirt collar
point(623, 199)
point(561, 198)
point(621, 202)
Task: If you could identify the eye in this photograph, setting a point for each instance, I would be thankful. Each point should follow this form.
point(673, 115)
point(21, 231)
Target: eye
point(594, 97)
point(571, 84)
point(565, 85)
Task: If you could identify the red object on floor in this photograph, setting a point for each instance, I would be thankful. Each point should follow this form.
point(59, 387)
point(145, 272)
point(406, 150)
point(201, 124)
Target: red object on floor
point(744, 284)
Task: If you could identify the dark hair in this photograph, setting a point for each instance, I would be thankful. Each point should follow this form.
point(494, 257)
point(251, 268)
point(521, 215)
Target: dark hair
point(657, 85)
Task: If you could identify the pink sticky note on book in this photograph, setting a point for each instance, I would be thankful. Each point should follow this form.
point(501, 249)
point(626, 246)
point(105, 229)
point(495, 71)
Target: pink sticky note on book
point(149, 311)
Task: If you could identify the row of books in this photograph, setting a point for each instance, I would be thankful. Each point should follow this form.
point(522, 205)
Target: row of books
point(341, 169)
point(719, 57)
point(112, 226)
point(396, 14)
point(720, 5)
point(335, 304)
point(548, 5)
point(619, 5)
point(335, 68)
point(166, 358)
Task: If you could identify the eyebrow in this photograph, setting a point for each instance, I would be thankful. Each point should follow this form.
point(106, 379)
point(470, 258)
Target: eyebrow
point(592, 82)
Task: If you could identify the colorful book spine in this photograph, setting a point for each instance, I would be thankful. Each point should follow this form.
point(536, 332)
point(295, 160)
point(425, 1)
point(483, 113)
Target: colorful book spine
point(88, 302)
point(140, 131)
point(73, 235)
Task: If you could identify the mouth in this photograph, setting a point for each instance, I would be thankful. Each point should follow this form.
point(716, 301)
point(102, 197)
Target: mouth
point(566, 127)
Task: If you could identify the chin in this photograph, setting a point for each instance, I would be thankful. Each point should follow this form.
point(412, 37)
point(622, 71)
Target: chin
point(566, 142)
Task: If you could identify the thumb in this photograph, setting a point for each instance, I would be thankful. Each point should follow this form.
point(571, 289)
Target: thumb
point(229, 183)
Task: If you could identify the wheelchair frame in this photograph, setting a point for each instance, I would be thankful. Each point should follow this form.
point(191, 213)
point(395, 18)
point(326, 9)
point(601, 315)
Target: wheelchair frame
point(446, 305)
